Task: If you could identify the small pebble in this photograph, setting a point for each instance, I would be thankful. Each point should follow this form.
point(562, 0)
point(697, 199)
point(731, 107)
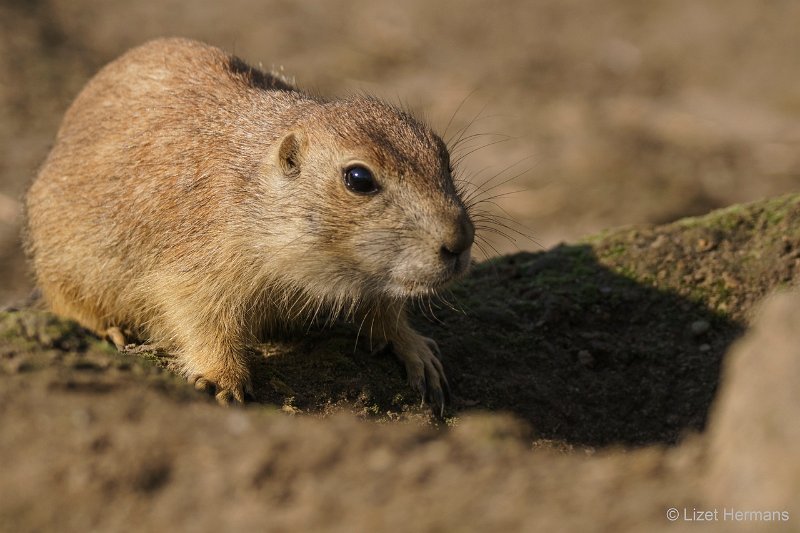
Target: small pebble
point(659, 241)
point(704, 245)
point(699, 327)
point(585, 358)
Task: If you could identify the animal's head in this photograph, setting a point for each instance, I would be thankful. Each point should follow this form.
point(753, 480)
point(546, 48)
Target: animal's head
point(376, 204)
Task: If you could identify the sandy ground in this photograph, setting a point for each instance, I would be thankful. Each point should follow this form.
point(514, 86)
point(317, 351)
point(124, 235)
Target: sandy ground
point(610, 386)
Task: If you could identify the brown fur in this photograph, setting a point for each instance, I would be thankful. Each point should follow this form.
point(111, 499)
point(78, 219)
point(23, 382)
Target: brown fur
point(200, 203)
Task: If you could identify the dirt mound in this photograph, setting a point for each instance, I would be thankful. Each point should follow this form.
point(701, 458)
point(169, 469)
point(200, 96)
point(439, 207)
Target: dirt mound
point(589, 347)
point(753, 441)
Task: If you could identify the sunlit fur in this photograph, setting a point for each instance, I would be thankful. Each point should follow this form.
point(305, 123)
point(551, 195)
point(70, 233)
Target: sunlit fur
point(200, 203)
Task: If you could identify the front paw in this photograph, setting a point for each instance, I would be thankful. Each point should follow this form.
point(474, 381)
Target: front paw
point(425, 372)
point(225, 391)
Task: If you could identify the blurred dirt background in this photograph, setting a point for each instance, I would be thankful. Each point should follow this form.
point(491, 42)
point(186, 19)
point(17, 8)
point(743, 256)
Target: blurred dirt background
point(604, 113)
point(616, 355)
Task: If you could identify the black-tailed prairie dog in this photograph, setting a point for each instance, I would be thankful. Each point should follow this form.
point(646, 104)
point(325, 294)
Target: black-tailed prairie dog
point(202, 203)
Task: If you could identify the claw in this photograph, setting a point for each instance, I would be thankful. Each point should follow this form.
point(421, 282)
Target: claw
point(434, 346)
point(115, 335)
point(224, 396)
point(249, 394)
point(443, 379)
point(437, 401)
point(426, 373)
point(434, 378)
point(230, 397)
point(419, 386)
point(448, 395)
point(203, 385)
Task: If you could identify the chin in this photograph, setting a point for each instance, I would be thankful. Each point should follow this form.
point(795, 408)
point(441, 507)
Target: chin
point(422, 286)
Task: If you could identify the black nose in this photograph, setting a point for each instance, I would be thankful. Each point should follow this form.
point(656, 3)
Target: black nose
point(460, 238)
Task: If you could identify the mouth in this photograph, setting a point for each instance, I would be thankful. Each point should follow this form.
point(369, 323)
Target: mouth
point(461, 264)
point(417, 287)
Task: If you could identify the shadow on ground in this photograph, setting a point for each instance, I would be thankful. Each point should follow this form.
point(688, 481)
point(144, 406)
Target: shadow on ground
point(585, 355)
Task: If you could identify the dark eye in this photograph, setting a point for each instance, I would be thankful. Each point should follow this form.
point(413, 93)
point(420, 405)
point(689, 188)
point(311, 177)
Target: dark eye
point(359, 179)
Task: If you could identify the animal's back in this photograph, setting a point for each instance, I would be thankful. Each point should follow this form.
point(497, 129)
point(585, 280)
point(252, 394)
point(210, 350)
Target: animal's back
point(147, 159)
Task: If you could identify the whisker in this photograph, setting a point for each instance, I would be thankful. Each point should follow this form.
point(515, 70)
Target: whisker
point(461, 157)
point(460, 133)
point(450, 305)
point(481, 249)
point(496, 196)
point(453, 116)
point(488, 244)
point(482, 188)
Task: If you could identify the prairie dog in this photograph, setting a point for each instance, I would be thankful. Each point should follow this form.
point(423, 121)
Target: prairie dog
point(202, 203)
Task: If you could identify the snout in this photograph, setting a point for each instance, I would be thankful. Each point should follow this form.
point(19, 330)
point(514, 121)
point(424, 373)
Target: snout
point(457, 243)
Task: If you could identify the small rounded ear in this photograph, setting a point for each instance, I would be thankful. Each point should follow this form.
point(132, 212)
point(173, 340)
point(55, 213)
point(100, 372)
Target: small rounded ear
point(290, 154)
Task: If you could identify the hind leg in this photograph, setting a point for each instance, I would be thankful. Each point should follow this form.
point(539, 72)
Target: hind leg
point(90, 317)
